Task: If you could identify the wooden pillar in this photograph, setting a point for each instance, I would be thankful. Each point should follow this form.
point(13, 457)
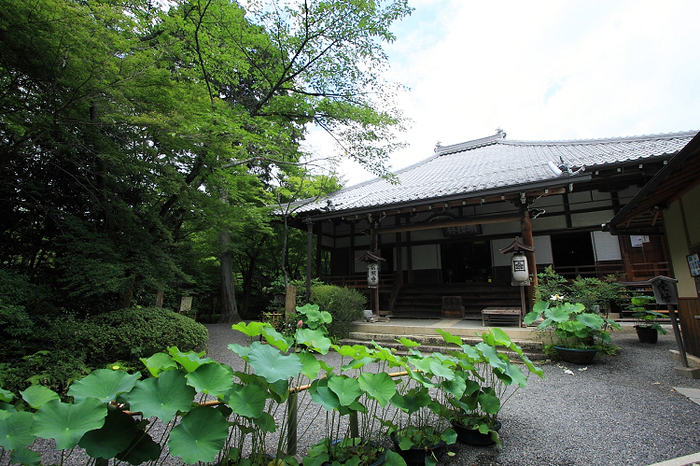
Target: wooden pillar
point(309, 257)
point(409, 258)
point(526, 226)
point(351, 253)
point(319, 249)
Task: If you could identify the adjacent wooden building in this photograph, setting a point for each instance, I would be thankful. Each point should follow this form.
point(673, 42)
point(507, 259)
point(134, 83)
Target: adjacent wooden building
point(668, 207)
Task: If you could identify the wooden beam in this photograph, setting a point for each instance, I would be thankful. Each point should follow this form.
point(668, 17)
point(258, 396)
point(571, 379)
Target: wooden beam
point(514, 217)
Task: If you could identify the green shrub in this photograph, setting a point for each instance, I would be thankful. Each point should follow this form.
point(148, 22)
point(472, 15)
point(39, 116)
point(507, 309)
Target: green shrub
point(56, 350)
point(344, 304)
point(129, 334)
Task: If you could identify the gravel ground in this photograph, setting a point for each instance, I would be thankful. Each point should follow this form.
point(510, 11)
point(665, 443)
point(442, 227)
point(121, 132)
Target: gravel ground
point(621, 410)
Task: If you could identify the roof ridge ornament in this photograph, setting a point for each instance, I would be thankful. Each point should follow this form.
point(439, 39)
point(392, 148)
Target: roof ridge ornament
point(500, 132)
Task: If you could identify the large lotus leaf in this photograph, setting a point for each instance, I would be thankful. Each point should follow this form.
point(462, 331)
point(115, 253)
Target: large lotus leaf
point(420, 378)
point(158, 363)
point(497, 337)
point(347, 389)
point(354, 407)
point(279, 391)
point(190, 361)
point(449, 436)
point(66, 423)
point(379, 386)
point(590, 320)
point(411, 402)
point(354, 351)
point(310, 365)
point(36, 396)
point(491, 355)
point(213, 379)
point(200, 435)
point(103, 384)
point(25, 456)
point(449, 338)
point(532, 316)
point(248, 400)
point(455, 387)
point(268, 362)
point(489, 402)
point(407, 342)
point(358, 363)
point(325, 367)
point(441, 369)
point(252, 329)
point(163, 396)
point(6, 396)
point(516, 375)
point(141, 449)
point(242, 351)
point(420, 363)
point(391, 458)
point(276, 339)
point(558, 313)
point(315, 340)
point(324, 396)
point(113, 437)
point(472, 354)
point(266, 423)
point(15, 430)
point(471, 386)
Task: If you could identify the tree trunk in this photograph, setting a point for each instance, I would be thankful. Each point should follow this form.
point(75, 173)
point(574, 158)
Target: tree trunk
point(127, 294)
point(229, 309)
point(159, 295)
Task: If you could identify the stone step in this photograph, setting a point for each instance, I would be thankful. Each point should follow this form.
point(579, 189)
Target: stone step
point(435, 343)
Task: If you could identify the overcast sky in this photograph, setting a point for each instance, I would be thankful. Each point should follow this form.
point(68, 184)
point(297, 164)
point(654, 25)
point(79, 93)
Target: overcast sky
point(542, 70)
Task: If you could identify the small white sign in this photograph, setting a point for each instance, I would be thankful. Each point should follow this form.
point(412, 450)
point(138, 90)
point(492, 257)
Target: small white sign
point(639, 240)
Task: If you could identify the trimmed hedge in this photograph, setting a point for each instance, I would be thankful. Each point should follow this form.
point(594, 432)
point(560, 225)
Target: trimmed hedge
point(129, 334)
point(56, 350)
point(345, 305)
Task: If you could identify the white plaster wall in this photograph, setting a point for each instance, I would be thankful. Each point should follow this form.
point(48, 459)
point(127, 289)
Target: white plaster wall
point(592, 218)
point(426, 257)
point(606, 247)
point(360, 266)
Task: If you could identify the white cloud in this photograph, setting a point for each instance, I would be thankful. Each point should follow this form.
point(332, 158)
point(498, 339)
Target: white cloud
point(544, 70)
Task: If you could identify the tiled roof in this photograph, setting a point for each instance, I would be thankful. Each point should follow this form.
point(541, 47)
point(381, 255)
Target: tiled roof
point(495, 163)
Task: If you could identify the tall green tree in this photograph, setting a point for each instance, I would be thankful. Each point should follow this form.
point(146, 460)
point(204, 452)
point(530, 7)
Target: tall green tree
point(126, 127)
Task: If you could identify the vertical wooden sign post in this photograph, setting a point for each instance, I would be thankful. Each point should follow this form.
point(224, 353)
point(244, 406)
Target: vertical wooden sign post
point(519, 270)
point(372, 259)
point(665, 293)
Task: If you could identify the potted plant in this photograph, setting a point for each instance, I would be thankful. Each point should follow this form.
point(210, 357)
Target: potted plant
point(575, 334)
point(489, 379)
point(647, 326)
point(420, 429)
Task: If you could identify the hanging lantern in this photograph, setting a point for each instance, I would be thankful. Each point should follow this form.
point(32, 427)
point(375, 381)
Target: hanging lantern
point(518, 267)
point(372, 274)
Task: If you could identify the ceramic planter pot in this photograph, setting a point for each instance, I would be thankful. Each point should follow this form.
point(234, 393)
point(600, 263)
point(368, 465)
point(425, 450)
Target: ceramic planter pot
point(415, 456)
point(647, 334)
point(473, 436)
point(576, 356)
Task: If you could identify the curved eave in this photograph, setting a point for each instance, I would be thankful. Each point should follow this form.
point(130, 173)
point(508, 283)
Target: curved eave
point(503, 190)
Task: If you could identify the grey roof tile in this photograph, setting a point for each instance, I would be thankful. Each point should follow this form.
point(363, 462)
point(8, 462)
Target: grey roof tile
point(485, 164)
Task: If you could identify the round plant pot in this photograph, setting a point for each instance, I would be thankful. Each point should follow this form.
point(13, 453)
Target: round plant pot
point(647, 334)
point(576, 356)
point(415, 456)
point(473, 436)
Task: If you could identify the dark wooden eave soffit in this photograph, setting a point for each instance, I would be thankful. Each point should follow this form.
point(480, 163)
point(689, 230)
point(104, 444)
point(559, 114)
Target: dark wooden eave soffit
point(642, 215)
